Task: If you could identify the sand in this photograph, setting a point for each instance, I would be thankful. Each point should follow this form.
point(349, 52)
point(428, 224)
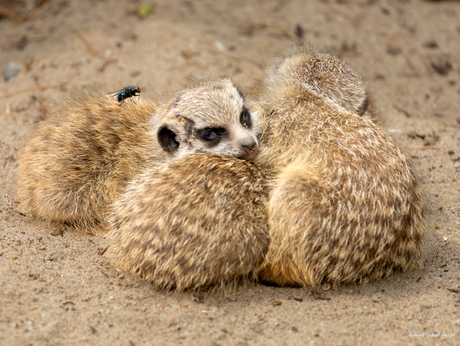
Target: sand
point(59, 290)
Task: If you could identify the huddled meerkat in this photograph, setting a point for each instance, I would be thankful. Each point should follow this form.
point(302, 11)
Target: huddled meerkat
point(196, 222)
point(86, 149)
point(345, 205)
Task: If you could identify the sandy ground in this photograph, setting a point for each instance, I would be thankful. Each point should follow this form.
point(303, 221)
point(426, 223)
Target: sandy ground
point(57, 290)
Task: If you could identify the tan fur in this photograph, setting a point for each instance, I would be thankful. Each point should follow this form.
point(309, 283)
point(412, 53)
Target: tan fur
point(346, 206)
point(88, 148)
point(81, 155)
point(195, 223)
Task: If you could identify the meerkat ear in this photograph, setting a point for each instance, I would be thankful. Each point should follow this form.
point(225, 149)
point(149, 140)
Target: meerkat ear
point(167, 139)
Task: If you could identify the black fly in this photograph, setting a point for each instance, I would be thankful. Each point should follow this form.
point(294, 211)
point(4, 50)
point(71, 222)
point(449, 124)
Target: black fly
point(127, 92)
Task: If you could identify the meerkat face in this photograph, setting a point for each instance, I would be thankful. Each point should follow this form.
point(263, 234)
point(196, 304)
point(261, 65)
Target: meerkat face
point(211, 117)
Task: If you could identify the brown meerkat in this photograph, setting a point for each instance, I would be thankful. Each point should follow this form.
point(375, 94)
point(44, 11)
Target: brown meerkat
point(197, 222)
point(345, 205)
point(86, 149)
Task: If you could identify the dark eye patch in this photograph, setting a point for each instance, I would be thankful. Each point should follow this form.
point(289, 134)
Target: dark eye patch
point(211, 135)
point(245, 118)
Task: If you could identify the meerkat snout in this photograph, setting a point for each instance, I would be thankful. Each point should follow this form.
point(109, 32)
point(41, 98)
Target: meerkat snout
point(248, 143)
point(250, 148)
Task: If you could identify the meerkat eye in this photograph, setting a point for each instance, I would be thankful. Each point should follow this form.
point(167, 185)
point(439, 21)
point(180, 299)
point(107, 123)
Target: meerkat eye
point(245, 118)
point(211, 135)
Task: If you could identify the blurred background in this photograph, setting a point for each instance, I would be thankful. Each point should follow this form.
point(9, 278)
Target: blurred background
point(408, 48)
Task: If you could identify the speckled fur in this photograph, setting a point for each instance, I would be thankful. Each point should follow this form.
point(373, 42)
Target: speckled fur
point(325, 75)
point(87, 149)
point(197, 222)
point(346, 205)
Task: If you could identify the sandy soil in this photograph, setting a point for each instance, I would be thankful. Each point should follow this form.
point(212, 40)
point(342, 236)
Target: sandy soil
point(57, 290)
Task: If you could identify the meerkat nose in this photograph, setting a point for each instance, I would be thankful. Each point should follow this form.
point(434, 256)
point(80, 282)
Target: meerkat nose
point(250, 148)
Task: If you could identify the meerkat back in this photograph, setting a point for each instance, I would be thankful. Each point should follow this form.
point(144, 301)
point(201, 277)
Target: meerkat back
point(198, 222)
point(346, 205)
point(80, 156)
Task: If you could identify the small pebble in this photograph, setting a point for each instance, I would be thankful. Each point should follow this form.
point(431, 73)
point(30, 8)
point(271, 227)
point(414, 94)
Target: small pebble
point(299, 31)
point(431, 44)
point(12, 69)
point(442, 68)
point(57, 231)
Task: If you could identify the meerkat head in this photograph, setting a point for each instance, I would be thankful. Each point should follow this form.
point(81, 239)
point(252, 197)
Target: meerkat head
point(211, 116)
point(325, 75)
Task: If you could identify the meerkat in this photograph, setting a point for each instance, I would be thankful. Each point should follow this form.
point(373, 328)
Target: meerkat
point(345, 205)
point(191, 224)
point(86, 149)
point(195, 223)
